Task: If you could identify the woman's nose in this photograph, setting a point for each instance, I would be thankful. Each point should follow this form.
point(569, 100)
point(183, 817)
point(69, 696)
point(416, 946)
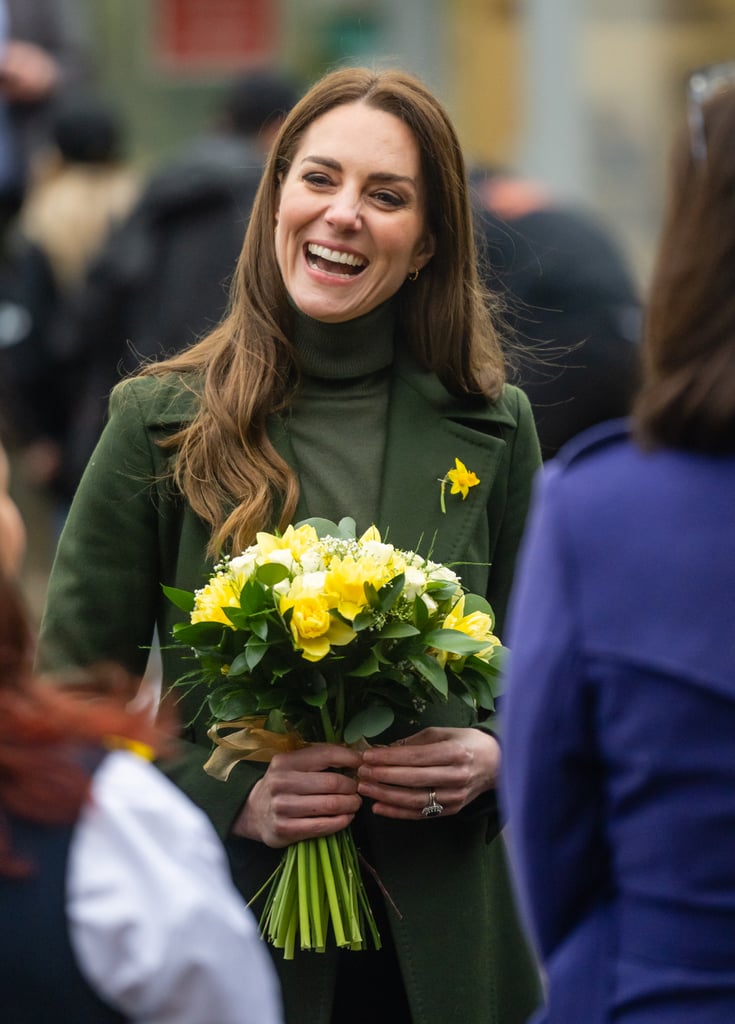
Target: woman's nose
point(345, 211)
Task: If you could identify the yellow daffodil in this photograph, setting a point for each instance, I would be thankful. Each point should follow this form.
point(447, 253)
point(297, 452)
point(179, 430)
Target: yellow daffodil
point(478, 625)
point(346, 581)
point(222, 591)
point(295, 541)
point(461, 480)
point(313, 628)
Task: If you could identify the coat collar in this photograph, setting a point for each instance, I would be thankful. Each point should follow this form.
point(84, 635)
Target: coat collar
point(427, 429)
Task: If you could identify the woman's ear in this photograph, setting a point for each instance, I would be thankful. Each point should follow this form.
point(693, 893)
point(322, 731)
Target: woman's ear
point(279, 181)
point(424, 251)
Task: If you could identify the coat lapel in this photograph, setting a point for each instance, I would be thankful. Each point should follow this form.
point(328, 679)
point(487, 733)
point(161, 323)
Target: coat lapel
point(428, 428)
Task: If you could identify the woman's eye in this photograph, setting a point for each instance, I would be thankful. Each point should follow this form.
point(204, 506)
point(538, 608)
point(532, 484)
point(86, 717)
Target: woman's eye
point(317, 178)
point(388, 198)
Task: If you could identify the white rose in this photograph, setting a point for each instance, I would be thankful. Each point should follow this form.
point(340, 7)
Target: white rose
point(415, 583)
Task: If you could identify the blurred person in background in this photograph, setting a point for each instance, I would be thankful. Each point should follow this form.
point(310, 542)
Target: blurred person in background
point(619, 776)
point(162, 279)
point(81, 186)
point(46, 50)
point(117, 887)
point(572, 307)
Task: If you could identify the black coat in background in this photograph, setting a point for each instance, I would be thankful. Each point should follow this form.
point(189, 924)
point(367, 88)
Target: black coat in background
point(572, 310)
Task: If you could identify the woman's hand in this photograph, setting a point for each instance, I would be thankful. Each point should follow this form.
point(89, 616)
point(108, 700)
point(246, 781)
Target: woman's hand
point(456, 764)
point(298, 798)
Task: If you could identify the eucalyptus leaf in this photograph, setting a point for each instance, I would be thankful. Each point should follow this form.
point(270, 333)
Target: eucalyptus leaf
point(316, 700)
point(346, 528)
point(477, 603)
point(271, 573)
point(370, 722)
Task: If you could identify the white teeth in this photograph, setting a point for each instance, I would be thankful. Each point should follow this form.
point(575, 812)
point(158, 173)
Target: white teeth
point(335, 255)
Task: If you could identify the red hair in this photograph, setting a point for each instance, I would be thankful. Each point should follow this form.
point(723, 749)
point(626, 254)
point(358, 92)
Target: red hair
point(44, 730)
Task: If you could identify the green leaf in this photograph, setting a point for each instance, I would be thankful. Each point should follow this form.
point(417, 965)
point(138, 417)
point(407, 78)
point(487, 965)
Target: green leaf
point(476, 603)
point(183, 599)
point(369, 667)
point(398, 630)
point(430, 669)
point(454, 641)
point(253, 598)
point(370, 722)
point(390, 591)
point(346, 528)
point(316, 700)
point(271, 573)
point(363, 620)
point(239, 665)
point(255, 651)
point(239, 618)
point(227, 705)
point(198, 634)
point(443, 590)
point(276, 721)
point(420, 614)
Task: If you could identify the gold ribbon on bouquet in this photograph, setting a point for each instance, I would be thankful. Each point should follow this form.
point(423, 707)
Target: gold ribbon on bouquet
point(249, 742)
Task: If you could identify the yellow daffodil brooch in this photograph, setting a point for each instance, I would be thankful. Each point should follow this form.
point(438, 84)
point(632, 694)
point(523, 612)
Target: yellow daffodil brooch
point(461, 480)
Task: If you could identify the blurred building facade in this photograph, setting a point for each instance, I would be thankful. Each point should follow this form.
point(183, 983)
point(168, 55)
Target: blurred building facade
point(581, 94)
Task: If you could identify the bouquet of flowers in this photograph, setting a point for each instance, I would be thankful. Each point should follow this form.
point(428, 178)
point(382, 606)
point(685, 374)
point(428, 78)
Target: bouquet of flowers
point(318, 635)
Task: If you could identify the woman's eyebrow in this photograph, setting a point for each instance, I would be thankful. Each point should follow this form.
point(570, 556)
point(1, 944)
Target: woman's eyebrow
point(335, 165)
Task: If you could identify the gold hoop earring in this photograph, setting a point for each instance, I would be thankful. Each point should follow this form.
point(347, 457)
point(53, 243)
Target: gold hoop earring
point(413, 276)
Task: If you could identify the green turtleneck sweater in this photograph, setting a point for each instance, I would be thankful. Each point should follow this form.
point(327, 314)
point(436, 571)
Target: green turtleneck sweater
point(337, 424)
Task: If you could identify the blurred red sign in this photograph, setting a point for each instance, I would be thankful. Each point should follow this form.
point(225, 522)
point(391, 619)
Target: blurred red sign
point(214, 34)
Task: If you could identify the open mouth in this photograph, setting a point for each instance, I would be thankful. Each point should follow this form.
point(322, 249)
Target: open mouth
point(334, 261)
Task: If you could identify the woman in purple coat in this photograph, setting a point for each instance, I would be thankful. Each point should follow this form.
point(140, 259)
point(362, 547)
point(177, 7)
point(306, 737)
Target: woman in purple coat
point(619, 763)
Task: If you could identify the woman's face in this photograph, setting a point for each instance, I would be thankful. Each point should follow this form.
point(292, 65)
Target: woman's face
point(351, 223)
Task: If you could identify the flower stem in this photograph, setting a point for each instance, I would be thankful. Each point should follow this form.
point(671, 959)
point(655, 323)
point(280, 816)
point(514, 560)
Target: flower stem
point(339, 932)
point(329, 733)
point(316, 896)
point(337, 849)
point(302, 856)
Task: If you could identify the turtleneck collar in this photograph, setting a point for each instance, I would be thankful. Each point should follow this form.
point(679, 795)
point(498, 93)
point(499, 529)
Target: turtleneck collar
point(353, 348)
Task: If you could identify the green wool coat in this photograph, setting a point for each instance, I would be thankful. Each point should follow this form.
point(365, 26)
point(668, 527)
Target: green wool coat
point(462, 953)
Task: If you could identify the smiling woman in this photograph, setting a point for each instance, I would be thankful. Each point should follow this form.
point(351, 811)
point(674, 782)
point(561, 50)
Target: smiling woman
point(358, 361)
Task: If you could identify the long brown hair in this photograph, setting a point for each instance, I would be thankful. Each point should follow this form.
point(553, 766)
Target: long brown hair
point(688, 395)
point(224, 463)
point(41, 726)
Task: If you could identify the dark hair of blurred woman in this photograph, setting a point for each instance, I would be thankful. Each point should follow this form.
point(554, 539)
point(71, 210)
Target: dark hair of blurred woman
point(688, 394)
